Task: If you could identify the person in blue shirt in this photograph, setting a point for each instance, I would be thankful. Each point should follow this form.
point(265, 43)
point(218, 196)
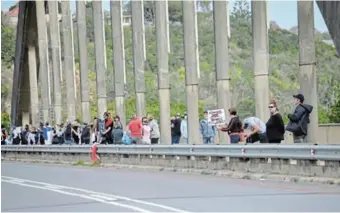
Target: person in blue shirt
point(46, 129)
point(257, 130)
point(207, 131)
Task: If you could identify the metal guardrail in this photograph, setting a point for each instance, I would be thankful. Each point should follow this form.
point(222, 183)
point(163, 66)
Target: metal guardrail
point(307, 152)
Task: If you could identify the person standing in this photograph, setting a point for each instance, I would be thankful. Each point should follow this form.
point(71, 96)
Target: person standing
point(207, 131)
point(155, 134)
point(299, 120)
point(175, 130)
point(135, 129)
point(184, 128)
point(275, 128)
point(234, 127)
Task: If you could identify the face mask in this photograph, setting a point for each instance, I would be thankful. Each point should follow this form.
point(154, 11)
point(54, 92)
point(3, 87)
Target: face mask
point(185, 117)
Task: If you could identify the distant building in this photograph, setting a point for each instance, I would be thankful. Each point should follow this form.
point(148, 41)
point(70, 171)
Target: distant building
point(11, 16)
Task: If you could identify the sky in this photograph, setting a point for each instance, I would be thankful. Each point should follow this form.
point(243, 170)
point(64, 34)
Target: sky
point(283, 12)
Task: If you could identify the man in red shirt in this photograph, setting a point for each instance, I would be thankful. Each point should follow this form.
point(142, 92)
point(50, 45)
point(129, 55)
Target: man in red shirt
point(135, 129)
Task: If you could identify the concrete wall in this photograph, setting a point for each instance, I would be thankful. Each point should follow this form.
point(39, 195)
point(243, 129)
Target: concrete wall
point(328, 134)
point(262, 166)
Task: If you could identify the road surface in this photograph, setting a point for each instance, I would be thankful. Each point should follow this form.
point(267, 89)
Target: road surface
point(57, 188)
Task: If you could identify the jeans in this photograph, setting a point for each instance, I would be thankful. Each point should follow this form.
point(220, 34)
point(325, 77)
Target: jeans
point(234, 138)
point(300, 139)
point(68, 142)
point(175, 139)
point(208, 140)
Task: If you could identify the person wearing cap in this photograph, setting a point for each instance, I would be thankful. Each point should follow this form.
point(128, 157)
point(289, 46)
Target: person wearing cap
point(257, 128)
point(298, 121)
point(207, 131)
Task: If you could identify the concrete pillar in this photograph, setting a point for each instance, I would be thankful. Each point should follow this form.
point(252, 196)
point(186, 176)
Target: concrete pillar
point(307, 62)
point(25, 118)
point(68, 60)
point(222, 60)
point(17, 63)
point(163, 69)
point(100, 49)
point(83, 61)
point(118, 57)
point(261, 58)
point(191, 59)
point(138, 54)
point(54, 32)
point(43, 58)
point(32, 65)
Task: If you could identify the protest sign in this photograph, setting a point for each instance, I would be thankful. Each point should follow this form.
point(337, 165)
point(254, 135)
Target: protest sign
point(216, 116)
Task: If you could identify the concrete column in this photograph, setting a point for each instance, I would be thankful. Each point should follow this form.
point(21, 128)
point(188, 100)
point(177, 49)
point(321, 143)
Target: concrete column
point(162, 42)
point(191, 59)
point(83, 61)
point(222, 59)
point(261, 58)
point(25, 118)
point(68, 60)
point(307, 62)
point(118, 57)
point(138, 54)
point(100, 49)
point(43, 58)
point(54, 32)
point(32, 65)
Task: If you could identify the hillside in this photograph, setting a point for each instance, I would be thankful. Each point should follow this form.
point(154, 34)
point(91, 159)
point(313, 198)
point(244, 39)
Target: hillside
point(284, 67)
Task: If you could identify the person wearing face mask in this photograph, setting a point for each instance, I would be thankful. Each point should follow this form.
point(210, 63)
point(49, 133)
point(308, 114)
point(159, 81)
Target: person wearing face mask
point(275, 128)
point(184, 128)
point(208, 132)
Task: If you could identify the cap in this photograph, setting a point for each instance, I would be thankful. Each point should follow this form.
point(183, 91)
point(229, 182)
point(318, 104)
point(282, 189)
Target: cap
point(300, 97)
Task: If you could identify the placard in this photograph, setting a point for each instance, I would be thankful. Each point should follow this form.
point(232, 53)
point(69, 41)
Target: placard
point(216, 116)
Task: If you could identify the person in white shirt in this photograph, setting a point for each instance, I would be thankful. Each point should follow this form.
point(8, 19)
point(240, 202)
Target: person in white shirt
point(257, 130)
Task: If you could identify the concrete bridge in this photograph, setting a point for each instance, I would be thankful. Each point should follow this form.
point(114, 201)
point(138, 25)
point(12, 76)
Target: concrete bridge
point(38, 24)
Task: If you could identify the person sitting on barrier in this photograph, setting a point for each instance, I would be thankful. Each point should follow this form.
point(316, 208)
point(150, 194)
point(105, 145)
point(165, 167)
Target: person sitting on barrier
point(299, 120)
point(275, 127)
point(85, 135)
point(234, 127)
point(257, 128)
point(117, 131)
point(146, 131)
point(68, 134)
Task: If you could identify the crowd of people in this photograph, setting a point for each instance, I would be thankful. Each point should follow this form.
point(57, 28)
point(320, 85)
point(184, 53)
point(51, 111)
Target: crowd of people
point(145, 130)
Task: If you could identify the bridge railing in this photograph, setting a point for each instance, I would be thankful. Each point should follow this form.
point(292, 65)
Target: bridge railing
point(299, 152)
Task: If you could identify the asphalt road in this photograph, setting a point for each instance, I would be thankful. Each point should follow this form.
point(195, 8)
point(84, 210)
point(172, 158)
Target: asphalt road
point(56, 188)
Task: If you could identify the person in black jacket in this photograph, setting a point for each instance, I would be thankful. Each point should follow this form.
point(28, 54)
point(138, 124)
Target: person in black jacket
point(275, 127)
point(299, 120)
point(233, 128)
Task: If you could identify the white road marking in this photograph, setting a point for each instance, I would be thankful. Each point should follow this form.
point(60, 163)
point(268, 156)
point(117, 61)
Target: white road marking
point(82, 196)
point(104, 197)
point(93, 193)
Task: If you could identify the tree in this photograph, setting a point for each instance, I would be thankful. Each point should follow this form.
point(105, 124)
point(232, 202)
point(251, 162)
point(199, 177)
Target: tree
point(241, 11)
point(7, 44)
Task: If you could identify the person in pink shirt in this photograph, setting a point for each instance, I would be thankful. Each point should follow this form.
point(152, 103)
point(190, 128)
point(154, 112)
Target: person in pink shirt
point(146, 131)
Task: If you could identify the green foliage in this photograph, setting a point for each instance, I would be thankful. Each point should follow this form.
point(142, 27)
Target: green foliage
point(7, 45)
point(5, 120)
